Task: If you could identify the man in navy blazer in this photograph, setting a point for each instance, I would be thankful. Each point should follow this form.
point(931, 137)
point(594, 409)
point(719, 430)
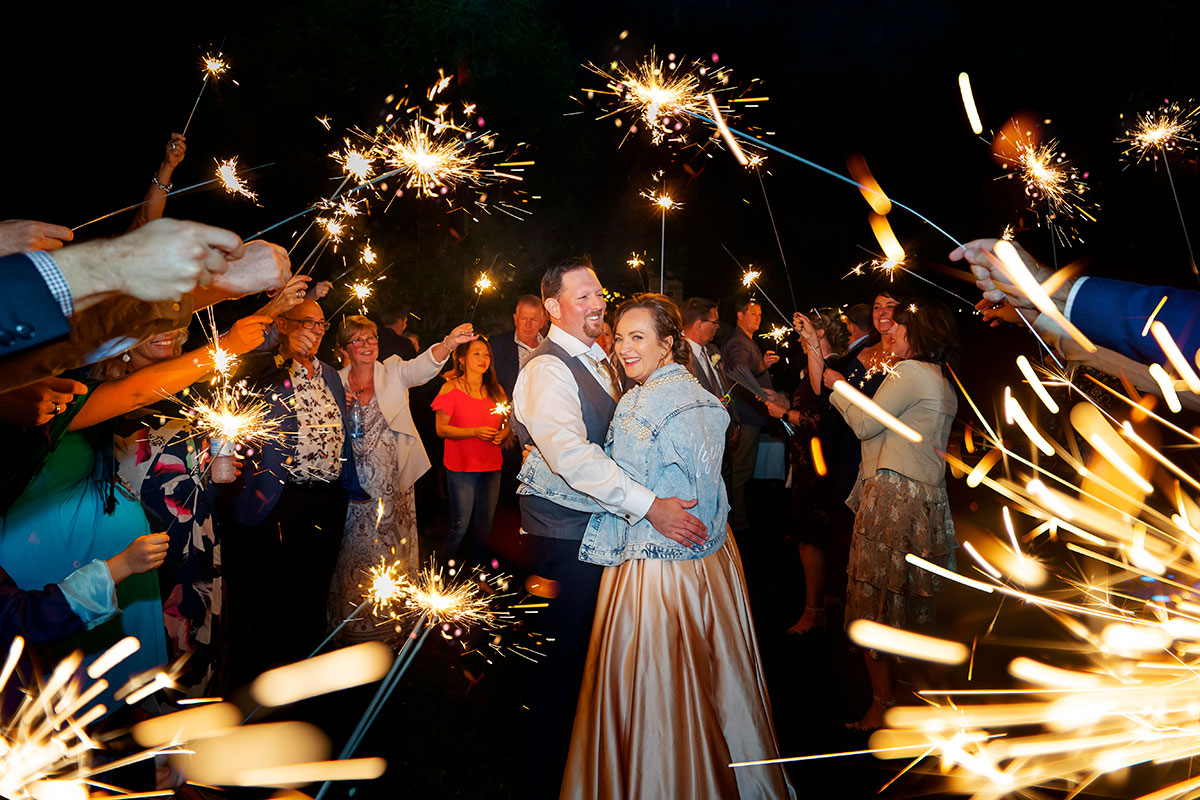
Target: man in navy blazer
point(1111, 313)
point(289, 511)
point(511, 349)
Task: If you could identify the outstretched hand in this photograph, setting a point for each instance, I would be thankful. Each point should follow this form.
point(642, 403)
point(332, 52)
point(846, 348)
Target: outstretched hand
point(980, 255)
point(669, 517)
point(24, 235)
point(175, 150)
point(143, 554)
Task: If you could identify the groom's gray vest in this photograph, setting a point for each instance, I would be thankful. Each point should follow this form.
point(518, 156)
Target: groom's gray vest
point(542, 517)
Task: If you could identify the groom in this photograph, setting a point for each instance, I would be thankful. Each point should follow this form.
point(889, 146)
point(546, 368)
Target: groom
point(563, 402)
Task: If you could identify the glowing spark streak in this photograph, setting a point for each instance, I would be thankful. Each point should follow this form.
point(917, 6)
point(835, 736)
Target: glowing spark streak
point(968, 98)
point(723, 129)
point(1167, 387)
point(872, 751)
point(1181, 365)
point(368, 255)
point(1015, 270)
point(353, 769)
point(874, 636)
point(1017, 414)
point(331, 672)
point(1149, 413)
point(981, 561)
point(929, 566)
point(516, 164)
point(1110, 455)
point(874, 195)
point(231, 181)
point(1146, 447)
point(501, 409)
point(1038, 389)
point(818, 457)
point(1153, 314)
point(875, 410)
point(1012, 534)
point(749, 278)
point(886, 238)
point(113, 656)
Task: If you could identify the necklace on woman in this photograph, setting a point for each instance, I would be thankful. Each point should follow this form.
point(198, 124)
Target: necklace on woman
point(369, 385)
point(470, 389)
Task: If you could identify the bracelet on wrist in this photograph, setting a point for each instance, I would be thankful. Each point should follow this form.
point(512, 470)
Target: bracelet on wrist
point(154, 180)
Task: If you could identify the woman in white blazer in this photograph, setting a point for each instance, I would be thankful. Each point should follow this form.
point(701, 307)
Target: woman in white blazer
point(390, 457)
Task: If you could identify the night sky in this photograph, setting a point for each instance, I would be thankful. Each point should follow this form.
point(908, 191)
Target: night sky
point(87, 112)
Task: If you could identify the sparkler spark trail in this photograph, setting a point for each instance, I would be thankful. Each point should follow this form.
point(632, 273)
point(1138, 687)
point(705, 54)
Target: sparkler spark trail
point(968, 97)
point(430, 162)
point(664, 202)
point(358, 164)
point(231, 181)
point(661, 95)
point(1050, 180)
point(213, 67)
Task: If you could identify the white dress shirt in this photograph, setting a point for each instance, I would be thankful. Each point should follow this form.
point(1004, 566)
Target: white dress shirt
point(700, 354)
point(524, 351)
point(546, 402)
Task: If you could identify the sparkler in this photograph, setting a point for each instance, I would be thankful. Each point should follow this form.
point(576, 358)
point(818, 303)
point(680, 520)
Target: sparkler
point(664, 202)
point(968, 98)
point(636, 263)
point(750, 278)
point(482, 284)
point(231, 181)
point(661, 96)
point(358, 164)
point(361, 291)
point(213, 67)
point(502, 409)
point(1155, 134)
point(1052, 180)
point(430, 162)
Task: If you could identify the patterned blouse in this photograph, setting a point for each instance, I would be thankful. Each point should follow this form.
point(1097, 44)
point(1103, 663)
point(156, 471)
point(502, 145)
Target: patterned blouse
point(319, 431)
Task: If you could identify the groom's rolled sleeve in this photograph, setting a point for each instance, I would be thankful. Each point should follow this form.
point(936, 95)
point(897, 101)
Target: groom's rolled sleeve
point(546, 402)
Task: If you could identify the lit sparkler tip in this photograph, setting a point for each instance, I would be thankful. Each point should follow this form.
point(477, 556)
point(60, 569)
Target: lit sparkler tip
point(777, 333)
point(231, 181)
point(501, 409)
point(635, 261)
point(358, 164)
point(750, 277)
point(214, 66)
point(368, 255)
point(333, 228)
point(484, 283)
point(1159, 131)
point(361, 290)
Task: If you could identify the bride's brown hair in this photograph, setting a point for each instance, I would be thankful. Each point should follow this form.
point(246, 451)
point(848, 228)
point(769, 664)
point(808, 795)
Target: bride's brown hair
point(667, 322)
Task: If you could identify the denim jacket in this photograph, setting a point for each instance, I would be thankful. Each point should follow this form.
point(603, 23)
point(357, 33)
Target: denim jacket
point(669, 435)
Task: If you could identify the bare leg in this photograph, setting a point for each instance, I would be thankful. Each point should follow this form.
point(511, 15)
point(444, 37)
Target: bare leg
point(883, 692)
point(813, 559)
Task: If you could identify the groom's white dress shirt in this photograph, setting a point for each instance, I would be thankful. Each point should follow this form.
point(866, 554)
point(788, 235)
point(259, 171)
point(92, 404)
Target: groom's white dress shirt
point(546, 402)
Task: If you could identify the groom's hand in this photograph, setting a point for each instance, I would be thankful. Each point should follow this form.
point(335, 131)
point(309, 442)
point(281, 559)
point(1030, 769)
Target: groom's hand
point(668, 517)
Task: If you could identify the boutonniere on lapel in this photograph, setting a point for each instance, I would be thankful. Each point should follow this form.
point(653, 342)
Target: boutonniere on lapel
point(715, 359)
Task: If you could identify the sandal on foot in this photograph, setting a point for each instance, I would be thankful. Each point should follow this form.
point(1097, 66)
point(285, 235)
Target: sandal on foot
point(820, 619)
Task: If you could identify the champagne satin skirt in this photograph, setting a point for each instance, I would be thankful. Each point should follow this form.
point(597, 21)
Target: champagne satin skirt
point(674, 689)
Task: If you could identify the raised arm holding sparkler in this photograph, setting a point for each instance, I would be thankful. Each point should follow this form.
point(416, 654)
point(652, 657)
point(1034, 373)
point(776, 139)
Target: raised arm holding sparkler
point(155, 201)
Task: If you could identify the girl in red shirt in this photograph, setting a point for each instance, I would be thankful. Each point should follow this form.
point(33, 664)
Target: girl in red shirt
point(472, 416)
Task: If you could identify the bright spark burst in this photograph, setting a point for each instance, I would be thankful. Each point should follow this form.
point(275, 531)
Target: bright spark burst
point(361, 291)
point(662, 200)
point(231, 181)
point(777, 333)
point(501, 409)
point(431, 161)
point(388, 587)
point(234, 415)
point(749, 278)
point(368, 255)
point(635, 261)
point(335, 229)
point(1051, 179)
point(1159, 131)
point(358, 164)
point(223, 361)
point(484, 283)
point(662, 96)
point(214, 66)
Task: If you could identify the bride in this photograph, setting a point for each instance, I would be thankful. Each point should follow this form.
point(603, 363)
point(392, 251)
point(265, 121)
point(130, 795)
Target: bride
point(674, 689)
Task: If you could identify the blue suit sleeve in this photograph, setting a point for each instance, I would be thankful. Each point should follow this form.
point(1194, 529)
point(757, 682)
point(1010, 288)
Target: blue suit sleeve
point(1113, 314)
point(40, 617)
point(30, 316)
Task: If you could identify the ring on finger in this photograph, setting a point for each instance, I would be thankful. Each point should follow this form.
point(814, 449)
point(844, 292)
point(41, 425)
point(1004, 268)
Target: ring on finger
point(57, 408)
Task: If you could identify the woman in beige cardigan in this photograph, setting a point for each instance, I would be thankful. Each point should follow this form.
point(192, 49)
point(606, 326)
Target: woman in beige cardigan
point(900, 501)
point(390, 457)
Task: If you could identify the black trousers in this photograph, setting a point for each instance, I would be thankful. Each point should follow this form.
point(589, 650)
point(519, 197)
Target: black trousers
point(553, 689)
point(277, 576)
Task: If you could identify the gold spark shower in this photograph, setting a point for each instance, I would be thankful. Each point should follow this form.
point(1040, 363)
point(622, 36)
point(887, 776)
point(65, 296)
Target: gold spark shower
point(358, 164)
point(1159, 131)
point(431, 162)
point(214, 66)
point(1054, 186)
point(231, 181)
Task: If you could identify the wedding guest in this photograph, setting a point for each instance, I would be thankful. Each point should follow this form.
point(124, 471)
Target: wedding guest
point(822, 335)
point(389, 457)
point(674, 688)
point(287, 513)
point(467, 419)
point(605, 339)
point(740, 350)
point(900, 499)
point(155, 202)
point(71, 510)
point(392, 338)
point(513, 349)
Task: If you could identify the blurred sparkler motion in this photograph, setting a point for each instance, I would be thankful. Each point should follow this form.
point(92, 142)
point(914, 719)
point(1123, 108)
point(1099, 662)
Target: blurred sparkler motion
point(1112, 555)
point(1156, 133)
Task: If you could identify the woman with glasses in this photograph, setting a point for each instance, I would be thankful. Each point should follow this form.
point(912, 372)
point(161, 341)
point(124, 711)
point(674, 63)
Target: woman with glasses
point(389, 457)
point(472, 417)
